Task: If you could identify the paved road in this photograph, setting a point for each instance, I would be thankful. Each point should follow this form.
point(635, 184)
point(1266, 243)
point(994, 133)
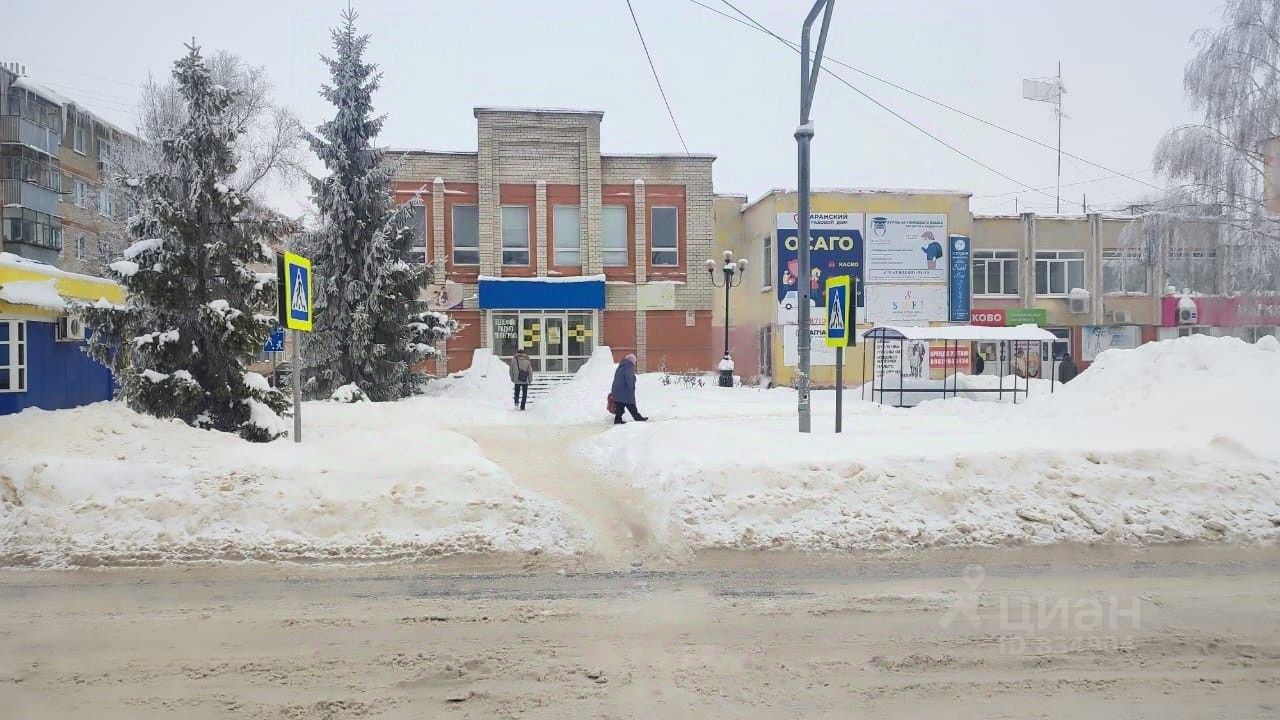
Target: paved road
point(1061, 632)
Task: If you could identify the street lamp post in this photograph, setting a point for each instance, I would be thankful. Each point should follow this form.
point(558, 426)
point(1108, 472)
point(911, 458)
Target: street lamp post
point(733, 273)
point(804, 136)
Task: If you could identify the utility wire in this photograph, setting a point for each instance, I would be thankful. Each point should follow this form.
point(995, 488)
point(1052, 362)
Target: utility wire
point(752, 23)
point(656, 79)
point(883, 106)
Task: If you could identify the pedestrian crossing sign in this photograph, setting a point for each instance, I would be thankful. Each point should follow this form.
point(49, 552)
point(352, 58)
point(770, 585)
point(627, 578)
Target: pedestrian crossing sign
point(837, 311)
point(293, 279)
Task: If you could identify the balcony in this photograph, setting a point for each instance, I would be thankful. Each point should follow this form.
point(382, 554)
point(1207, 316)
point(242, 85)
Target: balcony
point(28, 195)
point(18, 129)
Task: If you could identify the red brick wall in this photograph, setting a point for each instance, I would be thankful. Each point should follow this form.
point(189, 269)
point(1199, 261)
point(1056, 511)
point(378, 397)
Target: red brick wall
point(673, 344)
point(463, 345)
point(619, 332)
point(623, 196)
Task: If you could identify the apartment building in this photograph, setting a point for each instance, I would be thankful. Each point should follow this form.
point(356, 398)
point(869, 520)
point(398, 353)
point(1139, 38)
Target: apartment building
point(56, 208)
point(538, 240)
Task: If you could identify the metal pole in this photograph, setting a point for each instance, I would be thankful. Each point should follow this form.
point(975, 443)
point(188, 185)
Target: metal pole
point(726, 314)
point(297, 389)
point(839, 386)
point(804, 135)
point(1058, 202)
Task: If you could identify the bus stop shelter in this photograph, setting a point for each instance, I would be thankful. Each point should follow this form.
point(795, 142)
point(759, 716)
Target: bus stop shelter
point(886, 339)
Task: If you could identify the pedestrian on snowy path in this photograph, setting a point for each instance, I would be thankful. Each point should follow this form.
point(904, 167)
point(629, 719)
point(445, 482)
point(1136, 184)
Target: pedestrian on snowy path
point(1067, 369)
point(521, 376)
point(624, 391)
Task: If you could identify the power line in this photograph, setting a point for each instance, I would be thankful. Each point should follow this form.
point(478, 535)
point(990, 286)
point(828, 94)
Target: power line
point(757, 26)
point(656, 79)
point(1080, 182)
point(884, 107)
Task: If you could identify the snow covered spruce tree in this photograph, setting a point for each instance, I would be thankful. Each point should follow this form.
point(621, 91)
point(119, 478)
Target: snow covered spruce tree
point(370, 327)
point(196, 311)
point(1217, 167)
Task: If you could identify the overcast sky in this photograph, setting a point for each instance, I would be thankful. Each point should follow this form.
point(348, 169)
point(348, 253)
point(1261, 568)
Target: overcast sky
point(733, 89)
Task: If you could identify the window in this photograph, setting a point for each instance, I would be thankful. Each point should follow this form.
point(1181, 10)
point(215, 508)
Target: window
point(18, 162)
point(79, 193)
point(1061, 346)
point(82, 248)
point(414, 217)
point(79, 136)
point(568, 236)
point(13, 356)
point(1191, 269)
point(104, 149)
point(1058, 271)
point(664, 236)
point(515, 235)
point(995, 272)
point(105, 208)
point(104, 250)
point(614, 229)
point(466, 235)
point(1123, 271)
point(23, 225)
point(766, 264)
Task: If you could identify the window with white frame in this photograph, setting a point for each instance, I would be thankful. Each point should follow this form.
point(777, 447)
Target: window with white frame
point(105, 251)
point(567, 240)
point(1191, 269)
point(13, 355)
point(1058, 271)
point(766, 264)
point(995, 272)
point(105, 207)
point(82, 247)
point(79, 135)
point(79, 193)
point(104, 149)
point(664, 236)
point(1123, 271)
point(466, 235)
point(613, 227)
point(515, 235)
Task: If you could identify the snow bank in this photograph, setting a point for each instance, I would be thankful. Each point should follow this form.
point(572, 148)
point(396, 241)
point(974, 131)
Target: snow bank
point(101, 484)
point(37, 293)
point(348, 393)
point(1170, 441)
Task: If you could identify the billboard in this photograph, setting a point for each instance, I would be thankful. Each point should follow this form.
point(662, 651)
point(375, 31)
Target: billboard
point(907, 247)
point(1097, 338)
point(820, 354)
point(835, 249)
point(906, 303)
point(959, 280)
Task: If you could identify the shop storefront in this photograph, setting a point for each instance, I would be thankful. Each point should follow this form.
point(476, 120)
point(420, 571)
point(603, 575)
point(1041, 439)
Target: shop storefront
point(555, 320)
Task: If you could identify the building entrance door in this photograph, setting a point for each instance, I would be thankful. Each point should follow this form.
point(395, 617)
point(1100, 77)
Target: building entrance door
point(556, 341)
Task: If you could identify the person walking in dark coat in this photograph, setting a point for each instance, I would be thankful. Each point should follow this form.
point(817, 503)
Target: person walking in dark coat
point(521, 376)
point(1067, 369)
point(624, 391)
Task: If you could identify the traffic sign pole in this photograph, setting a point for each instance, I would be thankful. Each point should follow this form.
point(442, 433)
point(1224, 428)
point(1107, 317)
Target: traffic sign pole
point(297, 389)
point(839, 387)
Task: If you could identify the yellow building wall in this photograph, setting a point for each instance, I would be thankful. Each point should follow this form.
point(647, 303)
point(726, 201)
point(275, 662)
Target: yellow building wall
point(758, 306)
point(69, 286)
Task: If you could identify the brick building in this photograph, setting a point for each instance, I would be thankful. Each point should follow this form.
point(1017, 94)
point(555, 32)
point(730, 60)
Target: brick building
point(539, 240)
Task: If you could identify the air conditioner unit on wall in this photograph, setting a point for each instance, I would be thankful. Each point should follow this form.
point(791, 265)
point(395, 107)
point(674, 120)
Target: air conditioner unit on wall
point(1078, 305)
point(1121, 317)
point(70, 328)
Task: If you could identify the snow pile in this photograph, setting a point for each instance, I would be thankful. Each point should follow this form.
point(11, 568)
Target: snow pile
point(126, 268)
point(37, 293)
point(581, 400)
point(348, 393)
point(101, 484)
point(1166, 442)
point(487, 380)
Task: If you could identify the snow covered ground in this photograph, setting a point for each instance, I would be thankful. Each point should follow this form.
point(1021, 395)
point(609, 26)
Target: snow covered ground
point(1174, 440)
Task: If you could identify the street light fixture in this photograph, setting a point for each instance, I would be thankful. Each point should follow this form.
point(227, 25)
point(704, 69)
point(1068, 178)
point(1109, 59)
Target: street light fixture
point(733, 273)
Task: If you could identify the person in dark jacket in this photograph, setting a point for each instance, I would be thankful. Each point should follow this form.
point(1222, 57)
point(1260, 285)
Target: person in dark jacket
point(979, 365)
point(521, 376)
point(1067, 369)
point(624, 391)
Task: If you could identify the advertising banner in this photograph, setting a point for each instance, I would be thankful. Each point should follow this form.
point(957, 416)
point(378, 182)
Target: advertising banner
point(907, 247)
point(1097, 338)
point(819, 353)
point(1026, 316)
point(959, 282)
point(950, 357)
point(835, 249)
point(987, 318)
point(906, 303)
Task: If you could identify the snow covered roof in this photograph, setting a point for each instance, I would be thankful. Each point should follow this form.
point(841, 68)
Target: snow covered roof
point(36, 284)
point(863, 191)
point(36, 293)
point(961, 332)
point(661, 156)
point(561, 279)
point(44, 92)
point(18, 262)
point(548, 110)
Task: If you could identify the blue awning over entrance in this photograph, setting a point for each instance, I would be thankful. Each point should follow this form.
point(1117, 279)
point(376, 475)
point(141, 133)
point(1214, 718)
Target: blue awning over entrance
point(554, 293)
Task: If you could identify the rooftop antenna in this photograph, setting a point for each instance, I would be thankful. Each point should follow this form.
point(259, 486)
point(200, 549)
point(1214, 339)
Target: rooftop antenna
point(1049, 90)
